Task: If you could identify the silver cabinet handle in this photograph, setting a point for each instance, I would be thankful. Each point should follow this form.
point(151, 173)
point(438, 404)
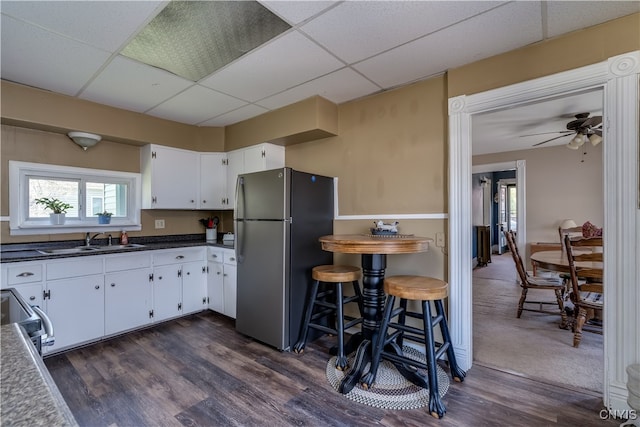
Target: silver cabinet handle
point(32, 298)
point(218, 273)
point(113, 285)
point(25, 274)
point(97, 286)
point(48, 337)
point(232, 259)
point(204, 201)
point(214, 256)
point(180, 257)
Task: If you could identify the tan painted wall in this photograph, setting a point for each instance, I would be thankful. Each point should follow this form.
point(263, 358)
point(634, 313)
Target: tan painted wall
point(390, 152)
point(560, 184)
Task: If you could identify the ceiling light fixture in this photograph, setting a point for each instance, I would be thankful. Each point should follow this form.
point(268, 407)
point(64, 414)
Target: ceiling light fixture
point(84, 139)
point(595, 139)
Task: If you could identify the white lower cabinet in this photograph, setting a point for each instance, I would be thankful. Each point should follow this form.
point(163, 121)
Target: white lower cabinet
point(194, 287)
point(127, 292)
point(90, 297)
point(76, 309)
point(179, 282)
point(221, 281)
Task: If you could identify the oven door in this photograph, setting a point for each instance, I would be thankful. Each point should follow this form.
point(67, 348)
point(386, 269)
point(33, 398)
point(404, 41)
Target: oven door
point(32, 319)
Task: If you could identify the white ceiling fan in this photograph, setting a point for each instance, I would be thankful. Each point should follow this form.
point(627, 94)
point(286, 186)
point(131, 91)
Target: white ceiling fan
point(585, 128)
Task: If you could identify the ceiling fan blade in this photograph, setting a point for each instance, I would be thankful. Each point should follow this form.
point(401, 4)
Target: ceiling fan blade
point(549, 140)
point(598, 132)
point(593, 121)
point(548, 133)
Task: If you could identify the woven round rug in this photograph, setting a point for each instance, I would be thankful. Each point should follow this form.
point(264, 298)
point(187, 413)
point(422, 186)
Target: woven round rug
point(391, 390)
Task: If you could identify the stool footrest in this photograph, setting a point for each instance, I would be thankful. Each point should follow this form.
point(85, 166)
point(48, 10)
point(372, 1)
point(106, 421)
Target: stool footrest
point(323, 328)
point(322, 313)
point(404, 360)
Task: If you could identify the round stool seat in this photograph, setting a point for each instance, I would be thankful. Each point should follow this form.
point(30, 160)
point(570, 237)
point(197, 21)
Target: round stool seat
point(418, 288)
point(335, 273)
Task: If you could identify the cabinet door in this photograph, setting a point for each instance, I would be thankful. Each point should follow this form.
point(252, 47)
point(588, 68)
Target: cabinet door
point(127, 300)
point(215, 287)
point(174, 178)
point(235, 166)
point(230, 290)
point(263, 157)
point(194, 287)
point(167, 292)
point(76, 309)
point(213, 181)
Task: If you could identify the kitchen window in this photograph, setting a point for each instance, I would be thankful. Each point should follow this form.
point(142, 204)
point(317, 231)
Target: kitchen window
point(88, 191)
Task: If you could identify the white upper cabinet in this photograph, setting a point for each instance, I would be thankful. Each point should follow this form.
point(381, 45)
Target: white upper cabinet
point(213, 181)
point(256, 158)
point(173, 178)
point(170, 177)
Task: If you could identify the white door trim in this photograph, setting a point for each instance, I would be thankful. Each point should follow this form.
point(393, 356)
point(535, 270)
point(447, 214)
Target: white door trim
point(619, 78)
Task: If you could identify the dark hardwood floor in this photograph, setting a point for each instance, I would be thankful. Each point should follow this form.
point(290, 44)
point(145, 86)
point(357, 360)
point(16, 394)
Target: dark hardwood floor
point(198, 371)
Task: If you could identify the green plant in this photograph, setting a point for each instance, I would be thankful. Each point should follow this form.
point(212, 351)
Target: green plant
point(57, 206)
point(105, 213)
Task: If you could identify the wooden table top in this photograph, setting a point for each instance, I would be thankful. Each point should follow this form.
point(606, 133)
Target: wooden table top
point(368, 244)
point(557, 261)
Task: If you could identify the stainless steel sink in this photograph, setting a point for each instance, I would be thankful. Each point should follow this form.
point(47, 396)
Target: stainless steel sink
point(61, 251)
point(85, 249)
point(115, 247)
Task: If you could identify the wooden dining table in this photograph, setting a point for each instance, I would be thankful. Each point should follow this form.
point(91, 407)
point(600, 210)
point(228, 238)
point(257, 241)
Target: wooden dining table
point(373, 250)
point(556, 260)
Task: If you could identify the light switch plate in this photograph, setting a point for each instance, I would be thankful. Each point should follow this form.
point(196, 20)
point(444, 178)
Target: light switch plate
point(440, 240)
point(159, 223)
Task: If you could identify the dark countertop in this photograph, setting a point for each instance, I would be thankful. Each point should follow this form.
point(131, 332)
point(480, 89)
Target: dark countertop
point(29, 395)
point(28, 251)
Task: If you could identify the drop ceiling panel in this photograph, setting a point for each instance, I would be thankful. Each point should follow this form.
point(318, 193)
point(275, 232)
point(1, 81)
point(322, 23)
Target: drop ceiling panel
point(46, 60)
point(295, 12)
point(128, 84)
point(565, 16)
point(451, 47)
point(279, 65)
point(102, 24)
point(358, 30)
point(196, 105)
point(235, 116)
point(338, 87)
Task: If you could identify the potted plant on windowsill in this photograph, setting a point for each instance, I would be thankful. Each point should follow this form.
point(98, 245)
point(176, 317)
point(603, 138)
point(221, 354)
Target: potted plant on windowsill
point(57, 207)
point(104, 217)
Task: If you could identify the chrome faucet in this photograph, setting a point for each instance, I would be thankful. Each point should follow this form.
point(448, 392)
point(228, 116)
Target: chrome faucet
point(88, 238)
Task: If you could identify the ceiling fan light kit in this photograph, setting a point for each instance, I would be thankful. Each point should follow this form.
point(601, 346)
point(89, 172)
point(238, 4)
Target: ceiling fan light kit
point(587, 129)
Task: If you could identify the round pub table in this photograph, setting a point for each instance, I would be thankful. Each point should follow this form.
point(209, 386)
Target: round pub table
point(374, 251)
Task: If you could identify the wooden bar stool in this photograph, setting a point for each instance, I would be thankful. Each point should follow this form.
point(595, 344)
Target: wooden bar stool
point(330, 303)
point(389, 346)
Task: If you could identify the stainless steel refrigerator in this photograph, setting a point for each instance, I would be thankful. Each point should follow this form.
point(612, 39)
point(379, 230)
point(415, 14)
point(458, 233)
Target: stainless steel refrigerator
point(278, 217)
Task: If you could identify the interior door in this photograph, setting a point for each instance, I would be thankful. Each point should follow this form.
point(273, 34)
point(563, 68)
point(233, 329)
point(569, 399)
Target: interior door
point(502, 217)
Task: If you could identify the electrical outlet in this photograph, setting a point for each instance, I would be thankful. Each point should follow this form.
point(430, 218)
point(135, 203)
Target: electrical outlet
point(159, 223)
point(440, 240)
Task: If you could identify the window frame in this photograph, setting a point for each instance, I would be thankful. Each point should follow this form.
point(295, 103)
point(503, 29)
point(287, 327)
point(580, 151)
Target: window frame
point(21, 224)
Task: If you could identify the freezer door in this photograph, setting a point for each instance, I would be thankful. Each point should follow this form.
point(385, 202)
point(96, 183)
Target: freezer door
point(263, 282)
point(263, 195)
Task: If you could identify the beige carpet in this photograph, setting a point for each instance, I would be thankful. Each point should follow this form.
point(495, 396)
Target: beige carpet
point(533, 345)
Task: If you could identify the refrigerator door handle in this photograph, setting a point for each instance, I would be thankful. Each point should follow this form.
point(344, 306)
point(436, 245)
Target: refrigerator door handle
point(240, 217)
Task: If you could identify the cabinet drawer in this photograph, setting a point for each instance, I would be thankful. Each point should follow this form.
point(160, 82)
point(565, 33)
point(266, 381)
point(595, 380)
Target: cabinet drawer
point(24, 273)
point(178, 256)
point(127, 262)
point(215, 255)
point(82, 266)
point(229, 257)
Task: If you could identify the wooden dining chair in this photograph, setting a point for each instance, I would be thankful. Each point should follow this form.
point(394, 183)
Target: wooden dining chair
point(571, 232)
point(586, 271)
point(527, 282)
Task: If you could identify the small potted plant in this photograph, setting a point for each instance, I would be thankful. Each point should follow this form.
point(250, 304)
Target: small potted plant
point(104, 217)
point(57, 207)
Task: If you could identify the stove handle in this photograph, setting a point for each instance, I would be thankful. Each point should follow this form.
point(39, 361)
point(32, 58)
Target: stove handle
point(47, 338)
